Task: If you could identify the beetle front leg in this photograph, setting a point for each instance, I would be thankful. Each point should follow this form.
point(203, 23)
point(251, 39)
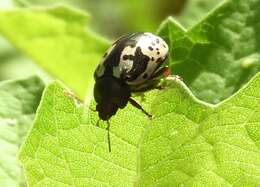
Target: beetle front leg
point(162, 72)
point(138, 106)
point(165, 72)
point(150, 85)
point(154, 82)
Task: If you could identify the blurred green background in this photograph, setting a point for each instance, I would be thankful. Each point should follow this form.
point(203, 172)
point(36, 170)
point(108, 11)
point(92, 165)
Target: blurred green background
point(121, 16)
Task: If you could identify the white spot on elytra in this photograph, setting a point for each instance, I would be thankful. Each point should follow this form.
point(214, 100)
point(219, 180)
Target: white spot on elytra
point(158, 51)
point(124, 65)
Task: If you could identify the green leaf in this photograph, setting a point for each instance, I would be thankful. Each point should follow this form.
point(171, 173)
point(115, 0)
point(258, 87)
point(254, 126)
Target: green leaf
point(18, 102)
point(196, 144)
point(57, 39)
point(187, 142)
point(221, 53)
point(195, 10)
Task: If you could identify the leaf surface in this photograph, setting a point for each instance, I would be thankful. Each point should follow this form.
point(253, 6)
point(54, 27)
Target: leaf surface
point(219, 54)
point(59, 40)
point(187, 142)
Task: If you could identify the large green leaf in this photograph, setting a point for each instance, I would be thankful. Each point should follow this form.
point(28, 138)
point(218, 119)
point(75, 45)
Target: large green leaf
point(58, 39)
point(195, 10)
point(221, 53)
point(13, 65)
point(18, 102)
point(187, 142)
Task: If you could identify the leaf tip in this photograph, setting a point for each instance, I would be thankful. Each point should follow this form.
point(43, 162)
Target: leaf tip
point(170, 21)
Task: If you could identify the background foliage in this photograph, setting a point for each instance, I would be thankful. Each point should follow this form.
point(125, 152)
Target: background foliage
point(214, 46)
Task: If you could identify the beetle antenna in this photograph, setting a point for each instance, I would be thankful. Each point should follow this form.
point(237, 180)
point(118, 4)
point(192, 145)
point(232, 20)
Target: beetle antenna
point(108, 136)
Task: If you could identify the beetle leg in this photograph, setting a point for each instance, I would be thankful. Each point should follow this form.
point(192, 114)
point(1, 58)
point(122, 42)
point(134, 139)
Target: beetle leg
point(154, 81)
point(164, 72)
point(138, 106)
point(150, 85)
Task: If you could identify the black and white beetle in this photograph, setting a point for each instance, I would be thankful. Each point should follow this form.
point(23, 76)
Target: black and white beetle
point(132, 64)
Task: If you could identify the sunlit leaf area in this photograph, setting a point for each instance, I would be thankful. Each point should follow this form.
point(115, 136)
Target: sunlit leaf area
point(205, 124)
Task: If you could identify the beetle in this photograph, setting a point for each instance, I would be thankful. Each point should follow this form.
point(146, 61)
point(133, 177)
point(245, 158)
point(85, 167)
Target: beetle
point(134, 63)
